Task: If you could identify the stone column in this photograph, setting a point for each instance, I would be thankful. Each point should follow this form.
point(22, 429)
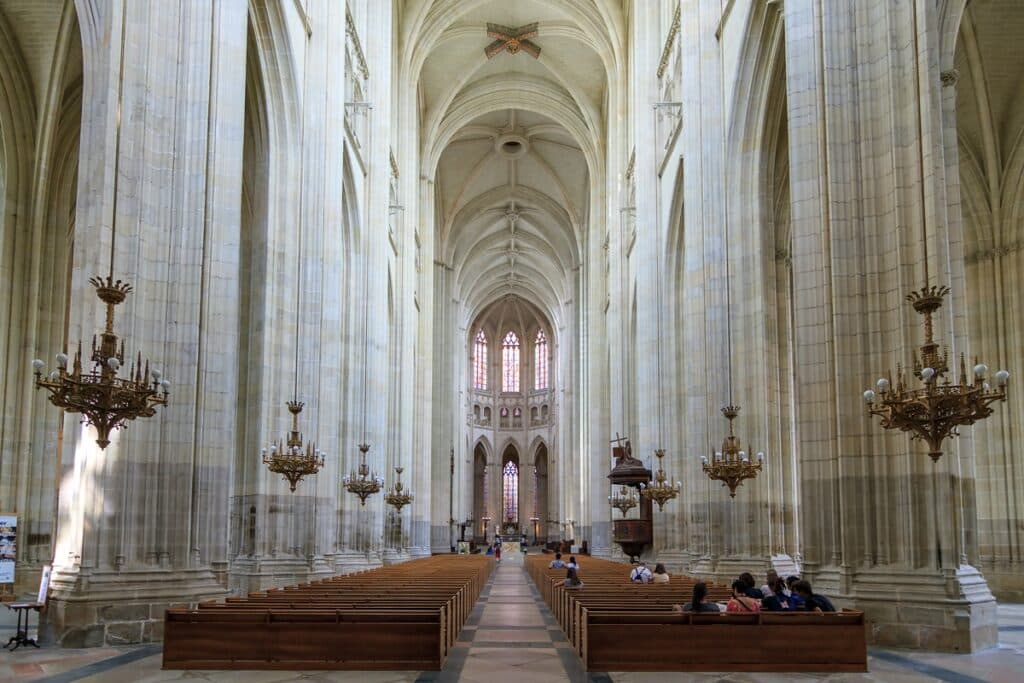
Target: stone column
point(142, 523)
point(883, 525)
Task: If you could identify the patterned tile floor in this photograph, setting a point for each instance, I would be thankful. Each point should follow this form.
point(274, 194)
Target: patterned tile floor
point(511, 636)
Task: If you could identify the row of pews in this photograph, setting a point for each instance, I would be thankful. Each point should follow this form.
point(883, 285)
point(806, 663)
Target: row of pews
point(401, 617)
point(615, 625)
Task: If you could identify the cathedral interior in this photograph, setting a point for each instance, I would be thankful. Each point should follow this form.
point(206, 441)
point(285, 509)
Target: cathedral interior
point(294, 289)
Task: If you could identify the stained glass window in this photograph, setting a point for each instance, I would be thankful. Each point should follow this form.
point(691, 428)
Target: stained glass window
point(480, 361)
point(510, 362)
point(540, 361)
point(510, 478)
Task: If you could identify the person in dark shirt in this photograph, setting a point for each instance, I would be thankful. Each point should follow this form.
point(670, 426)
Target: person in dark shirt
point(751, 589)
point(572, 579)
point(776, 600)
point(697, 603)
point(812, 601)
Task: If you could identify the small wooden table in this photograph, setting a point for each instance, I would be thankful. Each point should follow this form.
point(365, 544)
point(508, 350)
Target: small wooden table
point(20, 636)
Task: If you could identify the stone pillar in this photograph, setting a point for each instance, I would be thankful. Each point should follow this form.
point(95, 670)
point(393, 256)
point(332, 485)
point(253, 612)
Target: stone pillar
point(883, 526)
point(142, 523)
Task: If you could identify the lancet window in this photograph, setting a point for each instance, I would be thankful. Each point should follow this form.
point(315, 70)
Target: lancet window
point(480, 361)
point(540, 361)
point(510, 479)
point(510, 362)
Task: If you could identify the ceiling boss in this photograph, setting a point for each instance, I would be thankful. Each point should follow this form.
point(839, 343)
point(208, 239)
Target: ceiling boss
point(512, 39)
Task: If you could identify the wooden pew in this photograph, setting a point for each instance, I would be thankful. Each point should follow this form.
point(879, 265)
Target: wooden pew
point(401, 617)
point(615, 625)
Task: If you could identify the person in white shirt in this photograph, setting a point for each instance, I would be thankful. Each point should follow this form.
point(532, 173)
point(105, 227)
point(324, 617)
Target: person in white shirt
point(640, 573)
point(557, 562)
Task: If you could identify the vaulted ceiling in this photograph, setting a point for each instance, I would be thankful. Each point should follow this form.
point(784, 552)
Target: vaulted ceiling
point(513, 135)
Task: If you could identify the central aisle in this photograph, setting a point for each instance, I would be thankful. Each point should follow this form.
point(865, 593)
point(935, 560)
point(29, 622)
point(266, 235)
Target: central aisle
point(511, 636)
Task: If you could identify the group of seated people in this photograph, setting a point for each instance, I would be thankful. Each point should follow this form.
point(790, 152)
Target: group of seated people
point(572, 578)
point(641, 574)
point(792, 594)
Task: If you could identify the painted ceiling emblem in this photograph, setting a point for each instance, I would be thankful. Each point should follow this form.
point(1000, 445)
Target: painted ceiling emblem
point(512, 39)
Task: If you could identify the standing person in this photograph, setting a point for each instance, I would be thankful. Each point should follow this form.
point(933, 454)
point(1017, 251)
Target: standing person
point(497, 551)
point(740, 601)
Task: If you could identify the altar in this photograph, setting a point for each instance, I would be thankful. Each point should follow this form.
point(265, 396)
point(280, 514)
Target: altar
point(509, 547)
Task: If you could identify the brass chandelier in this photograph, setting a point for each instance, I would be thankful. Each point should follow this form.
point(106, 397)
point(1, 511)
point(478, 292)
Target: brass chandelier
point(731, 465)
point(935, 410)
point(398, 498)
point(105, 400)
point(625, 500)
point(660, 490)
point(362, 482)
point(290, 460)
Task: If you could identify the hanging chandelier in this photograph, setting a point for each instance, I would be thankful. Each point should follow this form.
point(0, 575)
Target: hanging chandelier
point(290, 460)
point(362, 483)
point(397, 497)
point(625, 500)
point(731, 465)
point(660, 490)
point(934, 411)
point(105, 401)
point(938, 407)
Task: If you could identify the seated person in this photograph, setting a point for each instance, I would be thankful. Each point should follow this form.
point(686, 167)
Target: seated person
point(769, 587)
point(660, 575)
point(572, 579)
point(740, 601)
point(699, 601)
point(557, 562)
point(812, 601)
point(572, 563)
point(751, 590)
point(640, 573)
point(776, 600)
point(795, 601)
point(490, 550)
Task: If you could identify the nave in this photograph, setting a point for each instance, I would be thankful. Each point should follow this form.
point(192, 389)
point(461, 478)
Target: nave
point(511, 635)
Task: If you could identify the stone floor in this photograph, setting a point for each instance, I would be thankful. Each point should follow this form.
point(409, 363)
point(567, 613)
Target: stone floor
point(511, 636)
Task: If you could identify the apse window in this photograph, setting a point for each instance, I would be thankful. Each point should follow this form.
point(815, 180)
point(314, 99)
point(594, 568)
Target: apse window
point(510, 477)
point(480, 361)
point(510, 363)
point(540, 361)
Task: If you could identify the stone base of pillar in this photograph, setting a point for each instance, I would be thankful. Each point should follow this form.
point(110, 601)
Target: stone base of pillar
point(1006, 583)
point(348, 561)
point(925, 610)
point(724, 570)
point(419, 551)
point(91, 608)
point(677, 562)
point(395, 556)
point(257, 573)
